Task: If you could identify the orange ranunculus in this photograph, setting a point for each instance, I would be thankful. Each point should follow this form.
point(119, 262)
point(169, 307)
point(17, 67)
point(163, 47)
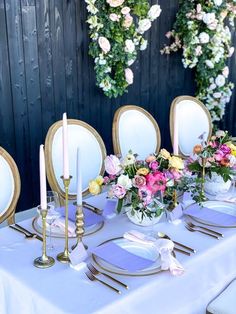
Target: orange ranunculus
point(224, 162)
point(197, 149)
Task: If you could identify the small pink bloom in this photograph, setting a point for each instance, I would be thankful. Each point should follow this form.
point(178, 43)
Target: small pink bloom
point(129, 76)
point(112, 176)
point(112, 165)
point(106, 179)
point(154, 165)
point(150, 158)
point(219, 155)
point(213, 144)
point(128, 21)
point(156, 182)
point(104, 44)
point(145, 195)
point(225, 149)
point(119, 191)
point(125, 10)
point(114, 17)
point(139, 181)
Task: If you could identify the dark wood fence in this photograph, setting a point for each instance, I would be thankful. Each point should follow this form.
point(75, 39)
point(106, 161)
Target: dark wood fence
point(45, 70)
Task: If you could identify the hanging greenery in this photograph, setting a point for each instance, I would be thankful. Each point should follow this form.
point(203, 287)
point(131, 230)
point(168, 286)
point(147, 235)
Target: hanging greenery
point(116, 31)
point(201, 31)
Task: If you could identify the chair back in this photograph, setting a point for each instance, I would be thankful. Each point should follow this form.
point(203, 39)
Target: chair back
point(135, 129)
point(193, 120)
point(92, 153)
point(9, 186)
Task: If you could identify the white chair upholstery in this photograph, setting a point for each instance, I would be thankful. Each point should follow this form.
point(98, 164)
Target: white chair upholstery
point(9, 186)
point(193, 120)
point(92, 154)
point(135, 129)
point(225, 303)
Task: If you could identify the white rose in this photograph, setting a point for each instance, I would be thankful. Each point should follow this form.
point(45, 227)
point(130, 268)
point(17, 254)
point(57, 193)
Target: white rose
point(212, 86)
point(104, 44)
point(198, 50)
point(231, 51)
point(220, 80)
point(217, 95)
point(130, 62)
point(154, 12)
point(204, 38)
point(129, 160)
point(128, 21)
point(115, 3)
point(213, 25)
point(125, 10)
point(218, 2)
point(220, 133)
point(129, 46)
point(125, 181)
point(143, 26)
point(143, 45)
point(114, 17)
point(225, 71)
point(129, 76)
point(209, 18)
point(210, 64)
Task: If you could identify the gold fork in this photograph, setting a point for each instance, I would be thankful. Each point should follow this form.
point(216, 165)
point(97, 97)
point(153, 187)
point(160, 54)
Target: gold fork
point(27, 236)
point(193, 230)
point(95, 271)
point(191, 225)
point(93, 278)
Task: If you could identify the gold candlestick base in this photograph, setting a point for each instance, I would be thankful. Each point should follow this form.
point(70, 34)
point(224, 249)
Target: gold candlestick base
point(44, 261)
point(63, 257)
point(79, 226)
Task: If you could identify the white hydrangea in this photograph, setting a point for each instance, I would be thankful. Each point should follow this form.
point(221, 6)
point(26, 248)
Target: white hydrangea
point(204, 38)
point(220, 80)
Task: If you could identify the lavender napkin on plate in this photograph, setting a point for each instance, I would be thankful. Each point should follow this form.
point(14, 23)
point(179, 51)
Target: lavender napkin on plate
point(119, 257)
point(90, 218)
point(210, 215)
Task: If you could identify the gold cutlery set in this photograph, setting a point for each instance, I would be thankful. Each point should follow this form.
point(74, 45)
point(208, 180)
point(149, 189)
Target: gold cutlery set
point(204, 230)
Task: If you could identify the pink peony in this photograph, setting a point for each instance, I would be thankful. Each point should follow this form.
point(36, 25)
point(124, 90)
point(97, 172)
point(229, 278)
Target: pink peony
point(145, 195)
point(129, 76)
point(119, 191)
point(112, 165)
point(125, 10)
point(104, 44)
point(128, 21)
point(154, 165)
point(156, 182)
point(139, 181)
point(115, 3)
point(225, 149)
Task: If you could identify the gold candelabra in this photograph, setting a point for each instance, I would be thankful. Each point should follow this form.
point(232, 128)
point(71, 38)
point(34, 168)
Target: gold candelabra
point(203, 177)
point(79, 225)
point(44, 261)
point(63, 257)
point(175, 202)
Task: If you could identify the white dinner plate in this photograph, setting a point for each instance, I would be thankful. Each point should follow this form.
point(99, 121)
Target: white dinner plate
point(58, 233)
point(219, 206)
point(137, 249)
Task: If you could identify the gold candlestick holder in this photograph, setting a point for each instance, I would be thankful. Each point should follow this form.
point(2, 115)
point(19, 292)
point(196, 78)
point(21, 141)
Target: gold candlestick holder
point(203, 178)
point(44, 261)
point(63, 257)
point(79, 226)
point(175, 202)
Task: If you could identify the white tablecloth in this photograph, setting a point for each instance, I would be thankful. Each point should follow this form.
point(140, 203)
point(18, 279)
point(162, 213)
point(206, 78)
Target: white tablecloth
point(25, 289)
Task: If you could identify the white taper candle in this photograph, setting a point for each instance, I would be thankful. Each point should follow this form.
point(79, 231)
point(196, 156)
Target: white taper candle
point(79, 179)
point(65, 148)
point(43, 186)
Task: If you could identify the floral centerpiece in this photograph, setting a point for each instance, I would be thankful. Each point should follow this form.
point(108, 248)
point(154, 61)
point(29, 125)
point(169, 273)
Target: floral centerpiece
point(117, 30)
point(213, 162)
point(137, 184)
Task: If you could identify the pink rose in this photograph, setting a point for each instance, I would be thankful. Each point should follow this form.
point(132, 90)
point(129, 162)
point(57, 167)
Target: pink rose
point(129, 76)
point(119, 191)
point(139, 181)
point(128, 21)
point(145, 195)
point(125, 10)
point(150, 158)
point(225, 71)
point(114, 17)
point(154, 165)
point(112, 165)
point(225, 149)
point(219, 155)
point(156, 182)
point(106, 180)
point(104, 44)
point(115, 3)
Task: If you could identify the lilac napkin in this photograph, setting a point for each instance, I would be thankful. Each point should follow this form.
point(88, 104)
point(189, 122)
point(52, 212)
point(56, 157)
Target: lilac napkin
point(119, 257)
point(90, 218)
point(210, 215)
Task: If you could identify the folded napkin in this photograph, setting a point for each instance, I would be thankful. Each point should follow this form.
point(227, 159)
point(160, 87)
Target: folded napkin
point(164, 248)
point(59, 224)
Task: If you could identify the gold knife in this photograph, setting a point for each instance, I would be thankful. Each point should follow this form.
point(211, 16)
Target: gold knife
point(92, 208)
point(29, 232)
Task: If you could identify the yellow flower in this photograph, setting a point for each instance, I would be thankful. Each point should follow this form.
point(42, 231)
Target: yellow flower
point(164, 153)
point(176, 162)
point(143, 171)
point(232, 147)
point(99, 180)
point(94, 187)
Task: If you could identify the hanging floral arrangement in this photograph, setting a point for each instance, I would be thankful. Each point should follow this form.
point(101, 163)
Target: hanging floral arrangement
point(117, 30)
point(201, 31)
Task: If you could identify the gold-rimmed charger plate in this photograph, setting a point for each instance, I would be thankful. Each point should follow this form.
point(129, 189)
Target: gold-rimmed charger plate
point(220, 206)
point(135, 248)
point(56, 234)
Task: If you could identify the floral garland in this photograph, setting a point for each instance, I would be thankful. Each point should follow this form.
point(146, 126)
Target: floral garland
point(201, 31)
point(116, 32)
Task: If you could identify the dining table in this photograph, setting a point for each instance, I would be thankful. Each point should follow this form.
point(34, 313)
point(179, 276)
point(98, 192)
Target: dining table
point(25, 289)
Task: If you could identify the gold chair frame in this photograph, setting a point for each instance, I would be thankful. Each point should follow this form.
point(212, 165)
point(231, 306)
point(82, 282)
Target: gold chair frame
point(48, 155)
point(9, 214)
point(172, 116)
point(115, 126)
